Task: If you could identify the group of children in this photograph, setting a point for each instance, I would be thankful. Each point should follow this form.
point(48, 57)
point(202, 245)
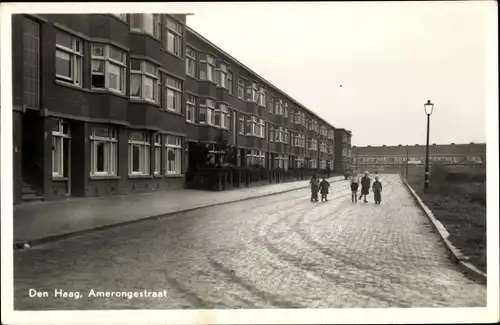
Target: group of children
point(365, 181)
point(316, 187)
point(365, 188)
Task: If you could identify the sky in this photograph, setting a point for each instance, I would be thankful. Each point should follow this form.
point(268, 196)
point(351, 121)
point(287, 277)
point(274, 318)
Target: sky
point(389, 57)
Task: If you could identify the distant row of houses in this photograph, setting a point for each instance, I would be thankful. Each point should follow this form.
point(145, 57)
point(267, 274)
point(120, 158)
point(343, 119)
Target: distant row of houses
point(383, 157)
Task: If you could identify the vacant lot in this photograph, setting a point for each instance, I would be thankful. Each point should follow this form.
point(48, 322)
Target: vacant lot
point(457, 197)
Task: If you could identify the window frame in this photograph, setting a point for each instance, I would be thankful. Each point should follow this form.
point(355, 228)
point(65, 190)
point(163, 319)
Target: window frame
point(177, 90)
point(109, 61)
point(144, 153)
point(112, 159)
point(209, 118)
point(144, 74)
point(177, 36)
point(60, 136)
point(207, 62)
point(76, 58)
point(177, 147)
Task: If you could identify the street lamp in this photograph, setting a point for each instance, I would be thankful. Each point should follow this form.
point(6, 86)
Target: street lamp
point(428, 111)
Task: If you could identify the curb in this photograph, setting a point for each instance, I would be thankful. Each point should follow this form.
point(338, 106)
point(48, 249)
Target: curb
point(25, 244)
point(455, 253)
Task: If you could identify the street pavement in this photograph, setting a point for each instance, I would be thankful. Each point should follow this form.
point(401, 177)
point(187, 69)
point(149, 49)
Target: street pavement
point(279, 251)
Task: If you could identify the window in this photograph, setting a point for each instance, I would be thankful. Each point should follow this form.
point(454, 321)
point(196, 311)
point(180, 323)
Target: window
point(173, 147)
point(146, 23)
point(108, 68)
point(31, 63)
point(60, 149)
point(242, 125)
point(285, 109)
point(252, 126)
point(222, 118)
point(241, 89)
point(190, 62)
point(252, 94)
point(299, 162)
point(157, 154)
point(144, 80)
point(207, 112)
point(271, 133)
point(173, 36)
point(138, 159)
point(103, 151)
point(256, 157)
point(279, 134)
point(221, 75)
point(230, 82)
point(173, 94)
point(207, 67)
point(262, 97)
point(262, 128)
point(285, 136)
point(69, 57)
point(190, 108)
point(279, 107)
point(270, 103)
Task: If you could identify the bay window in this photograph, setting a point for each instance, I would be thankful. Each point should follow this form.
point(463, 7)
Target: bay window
point(173, 151)
point(241, 89)
point(60, 149)
point(252, 94)
point(221, 75)
point(139, 155)
point(207, 112)
point(103, 151)
point(172, 40)
point(279, 107)
point(242, 125)
point(190, 108)
point(190, 62)
point(173, 88)
point(109, 65)
point(207, 67)
point(279, 134)
point(230, 82)
point(270, 103)
point(285, 136)
point(262, 97)
point(144, 80)
point(222, 118)
point(146, 23)
point(271, 133)
point(69, 58)
point(262, 128)
point(157, 154)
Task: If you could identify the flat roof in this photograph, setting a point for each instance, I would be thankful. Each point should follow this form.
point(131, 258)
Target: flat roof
point(192, 31)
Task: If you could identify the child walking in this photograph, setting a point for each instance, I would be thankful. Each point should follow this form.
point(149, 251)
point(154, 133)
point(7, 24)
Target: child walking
point(314, 189)
point(324, 185)
point(365, 186)
point(354, 187)
point(377, 190)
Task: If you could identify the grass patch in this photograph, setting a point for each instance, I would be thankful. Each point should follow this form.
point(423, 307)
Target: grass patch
point(457, 198)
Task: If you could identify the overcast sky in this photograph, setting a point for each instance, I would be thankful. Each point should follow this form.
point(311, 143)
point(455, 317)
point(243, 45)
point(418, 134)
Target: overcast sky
point(389, 58)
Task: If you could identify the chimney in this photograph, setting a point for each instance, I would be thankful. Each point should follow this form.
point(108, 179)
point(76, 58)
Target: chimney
point(453, 143)
point(383, 145)
point(369, 146)
point(433, 144)
point(472, 143)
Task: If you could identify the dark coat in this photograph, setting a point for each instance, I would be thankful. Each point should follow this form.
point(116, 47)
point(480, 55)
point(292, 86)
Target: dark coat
point(314, 186)
point(324, 185)
point(365, 184)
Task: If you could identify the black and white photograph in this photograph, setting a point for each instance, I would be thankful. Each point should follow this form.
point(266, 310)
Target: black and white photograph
point(249, 162)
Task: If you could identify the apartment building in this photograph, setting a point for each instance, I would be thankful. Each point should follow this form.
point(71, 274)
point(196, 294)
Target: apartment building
point(393, 157)
point(343, 151)
point(107, 104)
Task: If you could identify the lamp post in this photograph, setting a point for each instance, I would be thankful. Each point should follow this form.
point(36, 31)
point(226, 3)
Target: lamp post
point(428, 111)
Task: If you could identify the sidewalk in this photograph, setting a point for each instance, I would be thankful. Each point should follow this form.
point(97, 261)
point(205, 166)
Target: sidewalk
point(41, 222)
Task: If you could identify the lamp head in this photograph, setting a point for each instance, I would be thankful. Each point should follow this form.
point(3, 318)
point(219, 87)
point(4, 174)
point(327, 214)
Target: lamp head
point(429, 107)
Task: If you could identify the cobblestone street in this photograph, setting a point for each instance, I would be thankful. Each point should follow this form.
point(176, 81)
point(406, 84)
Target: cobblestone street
point(280, 251)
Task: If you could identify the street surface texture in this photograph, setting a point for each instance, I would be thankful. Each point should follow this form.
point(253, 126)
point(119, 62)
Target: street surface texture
point(281, 251)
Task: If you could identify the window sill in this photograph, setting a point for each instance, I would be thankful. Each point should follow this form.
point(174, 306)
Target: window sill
point(59, 179)
point(158, 176)
point(174, 175)
point(166, 110)
point(71, 85)
point(143, 101)
point(191, 122)
point(107, 91)
point(104, 177)
point(140, 176)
